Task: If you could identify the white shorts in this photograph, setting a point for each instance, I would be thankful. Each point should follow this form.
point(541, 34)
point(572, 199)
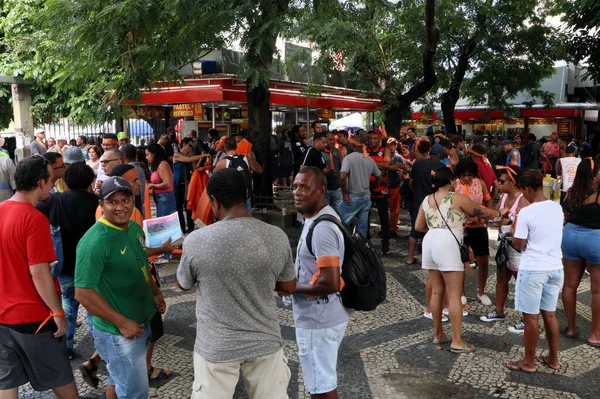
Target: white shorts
point(441, 252)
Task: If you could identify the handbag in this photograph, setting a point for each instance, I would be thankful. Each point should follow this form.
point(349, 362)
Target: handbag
point(464, 250)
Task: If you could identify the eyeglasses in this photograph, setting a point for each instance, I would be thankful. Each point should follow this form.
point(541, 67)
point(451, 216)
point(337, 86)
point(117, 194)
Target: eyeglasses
point(107, 161)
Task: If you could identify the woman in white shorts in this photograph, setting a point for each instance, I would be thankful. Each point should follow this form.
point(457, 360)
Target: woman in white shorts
point(441, 253)
point(511, 202)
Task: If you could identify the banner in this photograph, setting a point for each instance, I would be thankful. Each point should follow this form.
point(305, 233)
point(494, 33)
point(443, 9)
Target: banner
point(325, 113)
point(185, 110)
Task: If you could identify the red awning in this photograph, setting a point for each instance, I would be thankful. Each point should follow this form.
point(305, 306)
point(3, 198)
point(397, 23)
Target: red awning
point(227, 89)
point(500, 114)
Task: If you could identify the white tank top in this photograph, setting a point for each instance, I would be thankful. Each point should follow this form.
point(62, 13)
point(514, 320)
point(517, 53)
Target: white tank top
point(568, 169)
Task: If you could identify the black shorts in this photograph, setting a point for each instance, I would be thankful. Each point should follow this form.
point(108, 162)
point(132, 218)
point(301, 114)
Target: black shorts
point(156, 326)
point(477, 238)
point(39, 359)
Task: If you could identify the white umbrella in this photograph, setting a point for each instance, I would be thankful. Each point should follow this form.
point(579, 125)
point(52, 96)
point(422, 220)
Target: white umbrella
point(353, 120)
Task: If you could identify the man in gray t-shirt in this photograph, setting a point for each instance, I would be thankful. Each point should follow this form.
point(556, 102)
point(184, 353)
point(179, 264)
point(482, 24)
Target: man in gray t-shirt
point(237, 264)
point(38, 147)
point(357, 169)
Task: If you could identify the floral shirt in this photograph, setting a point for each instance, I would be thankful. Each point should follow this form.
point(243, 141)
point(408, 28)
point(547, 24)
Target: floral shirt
point(453, 216)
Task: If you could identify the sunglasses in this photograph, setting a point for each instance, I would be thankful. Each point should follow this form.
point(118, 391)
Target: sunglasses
point(107, 161)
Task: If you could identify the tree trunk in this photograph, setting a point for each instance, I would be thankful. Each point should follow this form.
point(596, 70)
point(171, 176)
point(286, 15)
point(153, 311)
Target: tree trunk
point(451, 96)
point(259, 134)
point(401, 104)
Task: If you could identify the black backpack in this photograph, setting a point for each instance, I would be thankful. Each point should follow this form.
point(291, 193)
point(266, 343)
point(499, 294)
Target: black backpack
point(362, 271)
point(237, 162)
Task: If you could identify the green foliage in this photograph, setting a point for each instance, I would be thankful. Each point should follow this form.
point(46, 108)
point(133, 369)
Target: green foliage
point(582, 33)
point(6, 110)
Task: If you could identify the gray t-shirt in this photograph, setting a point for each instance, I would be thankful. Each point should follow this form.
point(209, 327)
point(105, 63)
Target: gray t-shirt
point(235, 264)
point(37, 148)
point(327, 242)
point(359, 169)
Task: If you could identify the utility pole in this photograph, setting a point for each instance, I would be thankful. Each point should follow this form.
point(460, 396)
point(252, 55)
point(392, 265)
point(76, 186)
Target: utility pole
point(21, 96)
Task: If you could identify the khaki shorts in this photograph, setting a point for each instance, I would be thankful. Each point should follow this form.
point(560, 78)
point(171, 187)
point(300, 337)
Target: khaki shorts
point(265, 377)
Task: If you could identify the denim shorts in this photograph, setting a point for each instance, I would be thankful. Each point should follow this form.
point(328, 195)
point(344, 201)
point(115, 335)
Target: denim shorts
point(581, 243)
point(318, 353)
point(538, 290)
point(125, 361)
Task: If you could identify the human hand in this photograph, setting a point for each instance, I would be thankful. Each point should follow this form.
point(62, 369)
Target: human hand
point(62, 325)
point(131, 329)
point(346, 199)
point(167, 247)
point(161, 305)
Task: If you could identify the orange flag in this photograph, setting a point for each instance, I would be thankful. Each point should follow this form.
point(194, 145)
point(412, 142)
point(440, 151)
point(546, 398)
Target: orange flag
point(197, 198)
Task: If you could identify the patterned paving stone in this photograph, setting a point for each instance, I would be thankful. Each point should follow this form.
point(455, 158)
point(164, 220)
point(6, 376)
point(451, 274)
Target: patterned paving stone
point(388, 353)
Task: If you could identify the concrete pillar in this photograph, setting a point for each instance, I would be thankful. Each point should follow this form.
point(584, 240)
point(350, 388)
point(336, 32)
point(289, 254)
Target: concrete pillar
point(21, 96)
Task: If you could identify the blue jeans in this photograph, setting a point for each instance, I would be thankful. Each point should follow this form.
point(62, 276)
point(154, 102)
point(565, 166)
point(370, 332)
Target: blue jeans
point(334, 199)
point(165, 203)
point(538, 290)
point(70, 305)
point(359, 207)
point(125, 362)
point(249, 206)
point(581, 243)
point(318, 354)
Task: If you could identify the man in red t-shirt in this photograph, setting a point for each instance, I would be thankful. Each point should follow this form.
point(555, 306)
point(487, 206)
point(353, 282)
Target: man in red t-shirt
point(32, 320)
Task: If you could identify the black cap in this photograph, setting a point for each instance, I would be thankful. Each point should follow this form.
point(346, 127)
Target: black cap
point(113, 184)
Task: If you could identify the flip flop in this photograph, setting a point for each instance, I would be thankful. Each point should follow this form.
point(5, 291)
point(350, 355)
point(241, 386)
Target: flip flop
point(415, 261)
point(444, 341)
point(465, 349)
point(162, 374)
point(88, 374)
point(565, 333)
point(517, 367)
point(542, 359)
point(593, 344)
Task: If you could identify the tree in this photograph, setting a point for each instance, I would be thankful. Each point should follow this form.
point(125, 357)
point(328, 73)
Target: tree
point(391, 45)
point(582, 33)
point(493, 50)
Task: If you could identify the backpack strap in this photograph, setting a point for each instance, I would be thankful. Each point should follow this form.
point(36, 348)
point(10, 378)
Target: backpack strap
point(328, 218)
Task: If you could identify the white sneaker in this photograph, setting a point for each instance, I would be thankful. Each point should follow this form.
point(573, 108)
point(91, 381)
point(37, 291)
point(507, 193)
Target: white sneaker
point(484, 299)
point(445, 312)
point(428, 315)
point(518, 328)
point(161, 261)
point(463, 300)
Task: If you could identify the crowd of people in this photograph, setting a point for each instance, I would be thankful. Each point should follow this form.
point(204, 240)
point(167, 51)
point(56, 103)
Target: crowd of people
point(73, 214)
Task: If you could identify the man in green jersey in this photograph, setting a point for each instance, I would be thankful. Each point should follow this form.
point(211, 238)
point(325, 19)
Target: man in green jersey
point(113, 282)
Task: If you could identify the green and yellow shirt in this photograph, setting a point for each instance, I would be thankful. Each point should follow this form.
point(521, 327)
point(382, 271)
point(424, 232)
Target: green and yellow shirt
point(114, 262)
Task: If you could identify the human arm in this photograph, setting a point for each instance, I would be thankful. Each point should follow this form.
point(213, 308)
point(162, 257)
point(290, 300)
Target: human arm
point(253, 164)
point(421, 223)
point(495, 189)
point(286, 280)
point(342, 151)
point(387, 155)
point(44, 285)
point(179, 157)
point(344, 186)
point(186, 272)
point(520, 231)
point(466, 205)
point(159, 300)
point(97, 305)
point(487, 198)
point(166, 248)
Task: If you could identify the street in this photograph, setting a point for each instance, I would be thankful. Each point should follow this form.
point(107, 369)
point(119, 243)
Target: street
point(388, 353)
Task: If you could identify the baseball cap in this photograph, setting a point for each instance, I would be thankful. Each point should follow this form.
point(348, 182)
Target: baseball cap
point(436, 149)
point(122, 135)
point(72, 155)
point(113, 184)
point(63, 138)
point(445, 143)
point(36, 131)
point(505, 142)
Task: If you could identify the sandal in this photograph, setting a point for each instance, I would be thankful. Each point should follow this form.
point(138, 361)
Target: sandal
point(465, 349)
point(542, 359)
point(444, 341)
point(414, 262)
point(89, 374)
point(565, 333)
point(162, 374)
point(516, 366)
point(593, 344)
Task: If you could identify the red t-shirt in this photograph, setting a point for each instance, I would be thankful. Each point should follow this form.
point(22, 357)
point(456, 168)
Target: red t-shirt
point(24, 241)
point(486, 173)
